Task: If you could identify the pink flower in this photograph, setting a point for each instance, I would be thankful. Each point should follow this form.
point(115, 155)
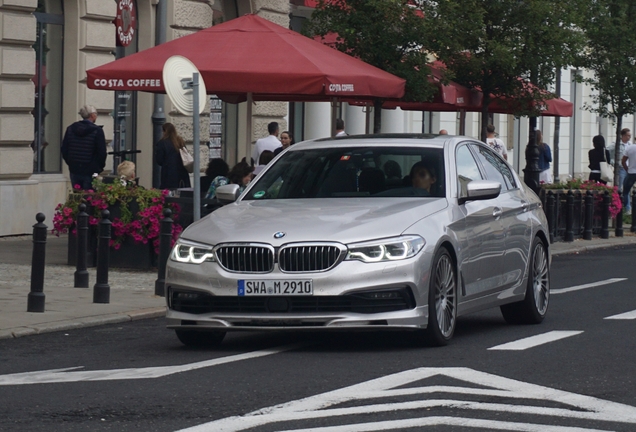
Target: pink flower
point(77, 187)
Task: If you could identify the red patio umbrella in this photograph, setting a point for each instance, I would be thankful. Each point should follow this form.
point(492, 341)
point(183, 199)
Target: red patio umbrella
point(252, 55)
point(449, 97)
point(556, 107)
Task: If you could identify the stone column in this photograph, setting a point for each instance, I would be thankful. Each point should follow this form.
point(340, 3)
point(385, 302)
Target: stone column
point(17, 92)
point(317, 120)
point(355, 119)
point(393, 121)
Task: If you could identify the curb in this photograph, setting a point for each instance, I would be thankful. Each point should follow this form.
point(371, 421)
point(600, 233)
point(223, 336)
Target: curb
point(591, 247)
point(83, 322)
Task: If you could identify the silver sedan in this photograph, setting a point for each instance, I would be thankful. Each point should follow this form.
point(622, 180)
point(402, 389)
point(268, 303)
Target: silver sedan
point(364, 232)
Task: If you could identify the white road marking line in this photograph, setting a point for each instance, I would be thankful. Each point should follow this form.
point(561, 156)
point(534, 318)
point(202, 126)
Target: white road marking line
point(576, 406)
point(63, 375)
point(534, 341)
point(624, 316)
point(590, 285)
point(446, 421)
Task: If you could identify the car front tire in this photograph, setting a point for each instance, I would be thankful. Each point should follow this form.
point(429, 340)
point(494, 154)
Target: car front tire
point(200, 339)
point(533, 308)
point(442, 299)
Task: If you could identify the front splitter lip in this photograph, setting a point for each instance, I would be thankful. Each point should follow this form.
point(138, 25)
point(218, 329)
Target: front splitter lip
point(367, 328)
point(398, 320)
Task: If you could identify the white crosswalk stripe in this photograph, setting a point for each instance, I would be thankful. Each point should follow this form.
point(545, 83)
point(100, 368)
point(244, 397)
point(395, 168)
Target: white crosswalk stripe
point(585, 286)
point(534, 341)
point(624, 316)
point(342, 406)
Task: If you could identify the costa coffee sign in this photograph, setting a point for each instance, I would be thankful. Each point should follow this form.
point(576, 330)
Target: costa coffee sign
point(126, 22)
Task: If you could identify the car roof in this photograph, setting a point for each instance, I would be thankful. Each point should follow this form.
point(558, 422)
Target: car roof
point(392, 139)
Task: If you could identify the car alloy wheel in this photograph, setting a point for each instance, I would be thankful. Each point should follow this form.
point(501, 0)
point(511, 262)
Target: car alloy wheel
point(533, 308)
point(540, 278)
point(442, 299)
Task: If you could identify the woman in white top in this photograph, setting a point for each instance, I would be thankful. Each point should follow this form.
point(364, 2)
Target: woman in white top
point(498, 145)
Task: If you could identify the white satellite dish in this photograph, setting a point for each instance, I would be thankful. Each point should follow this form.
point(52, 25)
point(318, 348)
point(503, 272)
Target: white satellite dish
point(177, 80)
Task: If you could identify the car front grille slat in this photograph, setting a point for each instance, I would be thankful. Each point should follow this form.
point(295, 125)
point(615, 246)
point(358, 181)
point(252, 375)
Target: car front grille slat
point(246, 259)
point(310, 258)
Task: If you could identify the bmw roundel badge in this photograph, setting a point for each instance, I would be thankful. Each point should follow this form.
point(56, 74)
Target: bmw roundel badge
point(279, 234)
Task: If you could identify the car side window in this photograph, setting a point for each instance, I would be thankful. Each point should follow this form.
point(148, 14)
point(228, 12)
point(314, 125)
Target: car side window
point(496, 168)
point(467, 169)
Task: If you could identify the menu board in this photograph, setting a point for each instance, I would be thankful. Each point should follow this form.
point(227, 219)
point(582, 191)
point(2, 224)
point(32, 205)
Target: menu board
point(216, 106)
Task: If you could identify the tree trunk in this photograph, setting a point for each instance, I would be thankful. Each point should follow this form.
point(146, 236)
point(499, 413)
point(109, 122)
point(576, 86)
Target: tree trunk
point(484, 119)
point(377, 116)
point(617, 151)
point(531, 171)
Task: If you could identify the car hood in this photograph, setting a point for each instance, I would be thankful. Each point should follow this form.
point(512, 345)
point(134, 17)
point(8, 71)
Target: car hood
point(342, 220)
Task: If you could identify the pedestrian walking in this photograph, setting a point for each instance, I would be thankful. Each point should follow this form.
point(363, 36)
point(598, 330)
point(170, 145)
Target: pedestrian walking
point(545, 157)
point(498, 145)
point(270, 142)
point(597, 155)
point(629, 165)
point(340, 128)
point(286, 140)
point(626, 136)
point(168, 156)
point(84, 148)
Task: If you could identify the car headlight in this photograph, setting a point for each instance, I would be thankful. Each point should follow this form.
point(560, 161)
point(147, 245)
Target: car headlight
point(391, 249)
point(192, 253)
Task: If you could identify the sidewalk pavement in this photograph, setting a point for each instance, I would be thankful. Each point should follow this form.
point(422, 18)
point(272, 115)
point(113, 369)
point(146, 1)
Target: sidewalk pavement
point(131, 292)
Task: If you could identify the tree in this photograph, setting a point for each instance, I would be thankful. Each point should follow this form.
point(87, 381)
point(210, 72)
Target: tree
point(388, 34)
point(510, 49)
point(610, 28)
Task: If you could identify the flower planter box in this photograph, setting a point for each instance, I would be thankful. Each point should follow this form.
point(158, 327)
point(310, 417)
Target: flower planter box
point(135, 214)
point(132, 255)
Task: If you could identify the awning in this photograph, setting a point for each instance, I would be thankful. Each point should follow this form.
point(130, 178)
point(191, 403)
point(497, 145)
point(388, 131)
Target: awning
point(252, 55)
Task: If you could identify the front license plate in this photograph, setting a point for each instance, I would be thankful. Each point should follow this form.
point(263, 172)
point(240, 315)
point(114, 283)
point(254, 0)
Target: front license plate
point(265, 287)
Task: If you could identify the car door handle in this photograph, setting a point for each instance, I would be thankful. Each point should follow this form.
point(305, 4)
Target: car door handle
point(524, 205)
point(496, 213)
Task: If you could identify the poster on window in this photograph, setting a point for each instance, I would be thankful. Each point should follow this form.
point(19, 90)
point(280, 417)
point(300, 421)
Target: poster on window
point(216, 106)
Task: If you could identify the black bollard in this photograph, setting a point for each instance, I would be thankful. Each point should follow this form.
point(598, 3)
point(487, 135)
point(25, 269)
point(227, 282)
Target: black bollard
point(101, 290)
point(164, 251)
point(569, 217)
point(589, 215)
point(605, 216)
point(633, 227)
point(35, 299)
point(618, 232)
point(549, 209)
point(81, 274)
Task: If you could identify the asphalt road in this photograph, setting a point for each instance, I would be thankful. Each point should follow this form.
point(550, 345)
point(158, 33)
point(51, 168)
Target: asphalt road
point(138, 377)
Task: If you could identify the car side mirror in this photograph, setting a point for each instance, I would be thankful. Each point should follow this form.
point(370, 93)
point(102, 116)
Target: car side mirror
point(227, 193)
point(481, 190)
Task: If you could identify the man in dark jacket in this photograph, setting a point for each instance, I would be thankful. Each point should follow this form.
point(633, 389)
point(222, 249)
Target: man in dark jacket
point(84, 148)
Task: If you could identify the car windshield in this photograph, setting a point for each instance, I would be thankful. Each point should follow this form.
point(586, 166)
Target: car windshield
point(341, 172)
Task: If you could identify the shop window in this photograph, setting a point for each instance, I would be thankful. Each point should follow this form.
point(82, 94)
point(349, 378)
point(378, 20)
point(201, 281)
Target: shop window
point(47, 111)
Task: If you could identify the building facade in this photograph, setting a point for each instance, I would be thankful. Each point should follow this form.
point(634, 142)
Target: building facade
point(46, 46)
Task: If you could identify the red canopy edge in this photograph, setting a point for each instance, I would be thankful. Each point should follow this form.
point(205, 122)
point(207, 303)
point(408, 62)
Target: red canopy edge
point(251, 54)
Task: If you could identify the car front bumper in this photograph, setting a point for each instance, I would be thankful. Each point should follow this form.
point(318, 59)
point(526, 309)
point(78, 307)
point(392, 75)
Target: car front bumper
point(352, 295)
